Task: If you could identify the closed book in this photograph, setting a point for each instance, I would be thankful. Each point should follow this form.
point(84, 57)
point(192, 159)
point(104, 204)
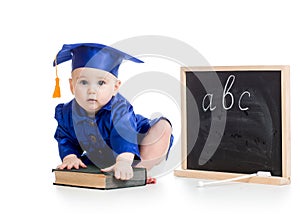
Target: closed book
point(92, 177)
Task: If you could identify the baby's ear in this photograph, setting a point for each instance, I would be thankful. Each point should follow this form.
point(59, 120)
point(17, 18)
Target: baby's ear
point(117, 86)
point(71, 85)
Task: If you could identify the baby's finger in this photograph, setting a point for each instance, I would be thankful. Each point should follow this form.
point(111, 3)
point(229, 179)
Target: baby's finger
point(82, 164)
point(61, 166)
point(117, 174)
point(70, 165)
point(76, 165)
point(123, 175)
point(108, 169)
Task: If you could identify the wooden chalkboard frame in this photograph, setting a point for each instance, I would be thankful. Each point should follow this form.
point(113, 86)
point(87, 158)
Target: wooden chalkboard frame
point(285, 117)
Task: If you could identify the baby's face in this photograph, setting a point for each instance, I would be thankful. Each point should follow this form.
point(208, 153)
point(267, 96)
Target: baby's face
point(93, 88)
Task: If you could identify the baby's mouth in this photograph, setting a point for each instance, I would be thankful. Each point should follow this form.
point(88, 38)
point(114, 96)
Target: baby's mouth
point(92, 100)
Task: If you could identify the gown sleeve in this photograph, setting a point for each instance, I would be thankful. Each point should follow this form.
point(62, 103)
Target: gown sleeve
point(67, 143)
point(123, 136)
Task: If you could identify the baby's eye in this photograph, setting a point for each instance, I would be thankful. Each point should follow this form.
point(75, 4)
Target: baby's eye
point(101, 82)
point(83, 82)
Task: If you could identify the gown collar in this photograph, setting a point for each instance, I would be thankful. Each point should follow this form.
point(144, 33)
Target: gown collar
point(79, 114)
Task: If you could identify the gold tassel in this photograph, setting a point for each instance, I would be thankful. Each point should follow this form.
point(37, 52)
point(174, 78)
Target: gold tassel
point(56, 93)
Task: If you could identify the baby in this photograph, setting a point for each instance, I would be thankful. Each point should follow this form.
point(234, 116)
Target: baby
point(99, 125)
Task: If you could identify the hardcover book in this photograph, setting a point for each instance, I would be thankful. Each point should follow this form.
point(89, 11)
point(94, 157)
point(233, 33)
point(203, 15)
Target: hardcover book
point(92, 177)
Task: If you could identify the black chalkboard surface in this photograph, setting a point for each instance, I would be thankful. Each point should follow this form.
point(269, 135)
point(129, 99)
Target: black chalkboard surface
point(236, 121)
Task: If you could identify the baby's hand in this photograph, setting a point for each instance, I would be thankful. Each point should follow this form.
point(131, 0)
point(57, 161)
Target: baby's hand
point(71, 161)
point(122, 168)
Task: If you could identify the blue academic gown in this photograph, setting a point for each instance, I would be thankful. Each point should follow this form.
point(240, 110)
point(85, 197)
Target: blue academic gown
point(114, 129)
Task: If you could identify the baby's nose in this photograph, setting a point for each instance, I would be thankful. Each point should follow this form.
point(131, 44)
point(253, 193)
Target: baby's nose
point(93, 88)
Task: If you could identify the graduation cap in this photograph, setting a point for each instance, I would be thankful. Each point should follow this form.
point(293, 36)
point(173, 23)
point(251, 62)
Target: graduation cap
point(91, 55)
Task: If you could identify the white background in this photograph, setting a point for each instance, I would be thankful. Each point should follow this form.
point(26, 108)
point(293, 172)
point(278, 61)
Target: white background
point(224, 32)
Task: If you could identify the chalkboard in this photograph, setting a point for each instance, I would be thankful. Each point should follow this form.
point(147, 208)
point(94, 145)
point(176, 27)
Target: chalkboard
point(236, 121)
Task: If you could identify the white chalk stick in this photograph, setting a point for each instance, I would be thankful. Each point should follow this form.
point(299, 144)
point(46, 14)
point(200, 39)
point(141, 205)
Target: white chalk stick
point(263, 174)
point(259, 173)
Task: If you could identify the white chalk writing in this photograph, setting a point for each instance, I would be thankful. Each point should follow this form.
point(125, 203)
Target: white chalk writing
point(227, 96)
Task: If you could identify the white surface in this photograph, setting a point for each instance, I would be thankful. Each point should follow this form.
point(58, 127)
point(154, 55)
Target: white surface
point(224, 32)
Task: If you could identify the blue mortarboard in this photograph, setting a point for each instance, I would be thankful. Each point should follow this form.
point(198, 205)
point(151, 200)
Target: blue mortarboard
point(91, 55)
